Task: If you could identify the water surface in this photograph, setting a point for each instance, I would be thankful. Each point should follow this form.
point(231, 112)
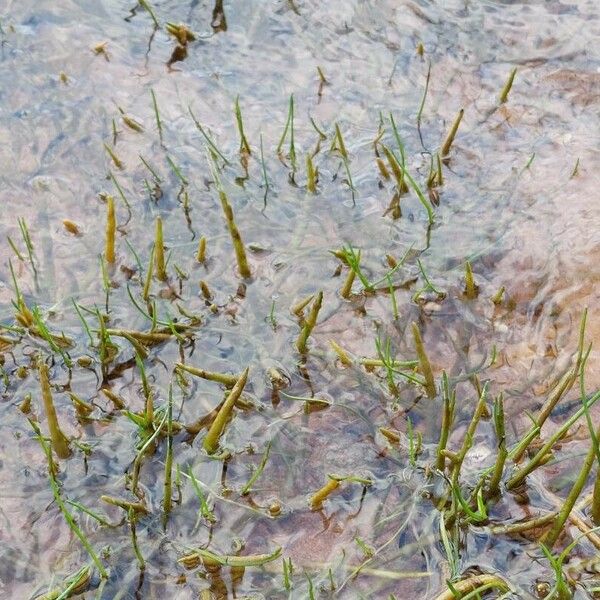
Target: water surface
point(511, 204)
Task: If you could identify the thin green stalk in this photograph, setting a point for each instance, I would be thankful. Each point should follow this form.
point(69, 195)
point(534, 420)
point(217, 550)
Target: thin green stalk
point(18, 296)
point(468, 441)
point(450, 548)
point(311, 587)
point(449, 398)
point(420, 196)
point(575, 171)
point(244, 145)
point(111, 227)
point(529, 162)
point(132, 518)
point(472, 516)
point(146, 6)
point(83, 322)
point(89, 512)
point(211, 559)
point(288, 571)
point(352, 259)
point(223, 378)
point(440, 173)
point(205, 510)
point(168, 491)
point(422, 105)
point(595, 512)
point(471, 291)
point(558, 524)
point(341, 353)
point(60, 442)
point(347, 287)
point(15, 249)
point(396, 169)
point(177, 170)
point(113, 156)
point(398, 141)
point(211, 441)
point(322, 81)
point(264, 170)
point(142, 451)
point(494, 484)
point(138, 262)
point(104, 344)
point(309, 324)
point(311, 175)
point(148, 282)
point(445, 149)
point(507, 86)
point(28, 243)
point(320, 133)
point(536, 461)
point(346, 163)
point(272, 318)
point(338, 142)
point(562, 589)
point(56, 343)
point(121, 194)
point(149, 407)
point(106, 284)
point(298, 308)
point(151, 169)
point(414, 443)
point(61, 504)
point(424, 364)
point(115, 133)
point(289, 126)
point(159, 252)
point(565, 383)
point(73, 585)
point(384, 351)
point(257, 472)
point(236, 238)
point(393, 298)
point(157, 115)
point(209, 141)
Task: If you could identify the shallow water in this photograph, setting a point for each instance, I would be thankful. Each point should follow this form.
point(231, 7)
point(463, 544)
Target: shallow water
point(510, 204)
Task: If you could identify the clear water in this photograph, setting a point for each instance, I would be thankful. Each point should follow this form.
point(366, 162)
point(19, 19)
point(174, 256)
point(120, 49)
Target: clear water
point(510, 204)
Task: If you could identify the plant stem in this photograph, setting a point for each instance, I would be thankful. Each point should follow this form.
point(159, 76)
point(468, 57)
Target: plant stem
point(552, 535)
point(447, 420)
point(445, 149)
point(309, 324)
point(507, 86)
point(111, 226)
point(211, 441)
point(60, 443)
point(159, 252)
point(424, 364)
point(494, 485)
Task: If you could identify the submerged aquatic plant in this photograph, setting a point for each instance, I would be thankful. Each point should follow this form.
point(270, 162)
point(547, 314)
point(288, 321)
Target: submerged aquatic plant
point(507, 86)
point(217, 427)
point(159, 252)
point(447, 144)
point(238, 244)
point(422, 431)
point(60, 442)
point(309, 324)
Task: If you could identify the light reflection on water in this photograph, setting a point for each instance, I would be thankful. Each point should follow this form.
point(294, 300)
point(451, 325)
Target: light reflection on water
point(532, 229)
